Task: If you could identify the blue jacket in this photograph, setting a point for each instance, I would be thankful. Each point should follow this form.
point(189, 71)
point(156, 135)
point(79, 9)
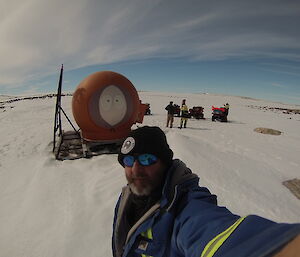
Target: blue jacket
point(188, 222)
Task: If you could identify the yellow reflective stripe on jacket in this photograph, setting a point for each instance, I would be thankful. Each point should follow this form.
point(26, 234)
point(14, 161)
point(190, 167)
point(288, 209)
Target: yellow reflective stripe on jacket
point(214, 244)
point(147, 234)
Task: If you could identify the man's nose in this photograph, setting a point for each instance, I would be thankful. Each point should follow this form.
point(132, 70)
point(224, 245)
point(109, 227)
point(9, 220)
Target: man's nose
point(137, 168)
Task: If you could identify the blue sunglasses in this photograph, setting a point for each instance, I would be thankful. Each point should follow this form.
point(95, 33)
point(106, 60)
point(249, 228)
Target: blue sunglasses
point(145, 159)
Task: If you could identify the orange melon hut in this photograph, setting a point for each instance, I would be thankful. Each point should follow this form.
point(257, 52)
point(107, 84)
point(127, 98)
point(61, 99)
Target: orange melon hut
point(105, 105)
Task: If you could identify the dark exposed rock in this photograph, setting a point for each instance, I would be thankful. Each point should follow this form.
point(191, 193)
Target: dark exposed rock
point(32, 98)
point(294, 186)
point(276, 109)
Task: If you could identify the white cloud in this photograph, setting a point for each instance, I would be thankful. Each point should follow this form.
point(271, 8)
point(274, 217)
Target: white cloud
point(278, 85)
point(39, 35)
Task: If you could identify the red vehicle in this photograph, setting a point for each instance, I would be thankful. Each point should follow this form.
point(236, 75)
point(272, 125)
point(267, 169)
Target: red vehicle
point(219, 114)
point(196, 112)
point(147, 111)
point(177, 110)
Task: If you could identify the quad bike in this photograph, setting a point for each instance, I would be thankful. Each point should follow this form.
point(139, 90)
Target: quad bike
point(176, 110)
point(219, 114)
point(147, 111)
point(196, 112)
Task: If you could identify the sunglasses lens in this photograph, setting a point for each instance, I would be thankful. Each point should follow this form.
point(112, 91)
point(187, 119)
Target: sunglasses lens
point(147, 159)
point(144, 159)
point(128, 160)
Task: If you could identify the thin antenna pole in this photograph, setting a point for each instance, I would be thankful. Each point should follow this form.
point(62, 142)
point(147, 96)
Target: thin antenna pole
point(57, 118)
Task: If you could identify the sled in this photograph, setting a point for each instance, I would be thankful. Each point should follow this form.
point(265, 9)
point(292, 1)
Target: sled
point(71, 145)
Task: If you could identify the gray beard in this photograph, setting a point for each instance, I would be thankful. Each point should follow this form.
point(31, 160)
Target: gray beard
point(144, 192)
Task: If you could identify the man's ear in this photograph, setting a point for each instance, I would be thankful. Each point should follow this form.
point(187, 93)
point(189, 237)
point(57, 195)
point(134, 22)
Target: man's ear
point(291, 249)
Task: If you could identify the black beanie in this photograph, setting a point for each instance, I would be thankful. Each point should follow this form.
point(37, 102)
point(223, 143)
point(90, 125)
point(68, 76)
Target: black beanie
point(147, 140)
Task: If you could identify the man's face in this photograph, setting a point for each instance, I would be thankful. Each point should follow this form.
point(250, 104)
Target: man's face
point(143, 179)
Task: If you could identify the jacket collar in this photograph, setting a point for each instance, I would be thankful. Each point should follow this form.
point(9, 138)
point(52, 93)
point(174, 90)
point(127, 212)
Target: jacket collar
point(177, 179)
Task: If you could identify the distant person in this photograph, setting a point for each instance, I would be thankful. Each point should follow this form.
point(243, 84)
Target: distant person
point(226, 107)
point(163, 211)
point(184, 114)
point(170, 116)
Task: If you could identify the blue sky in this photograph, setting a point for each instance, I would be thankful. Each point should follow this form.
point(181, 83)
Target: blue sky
point(237, 47)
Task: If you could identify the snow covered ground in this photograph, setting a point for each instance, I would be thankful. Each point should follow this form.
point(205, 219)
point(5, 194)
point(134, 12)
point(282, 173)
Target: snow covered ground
point(64, 209)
